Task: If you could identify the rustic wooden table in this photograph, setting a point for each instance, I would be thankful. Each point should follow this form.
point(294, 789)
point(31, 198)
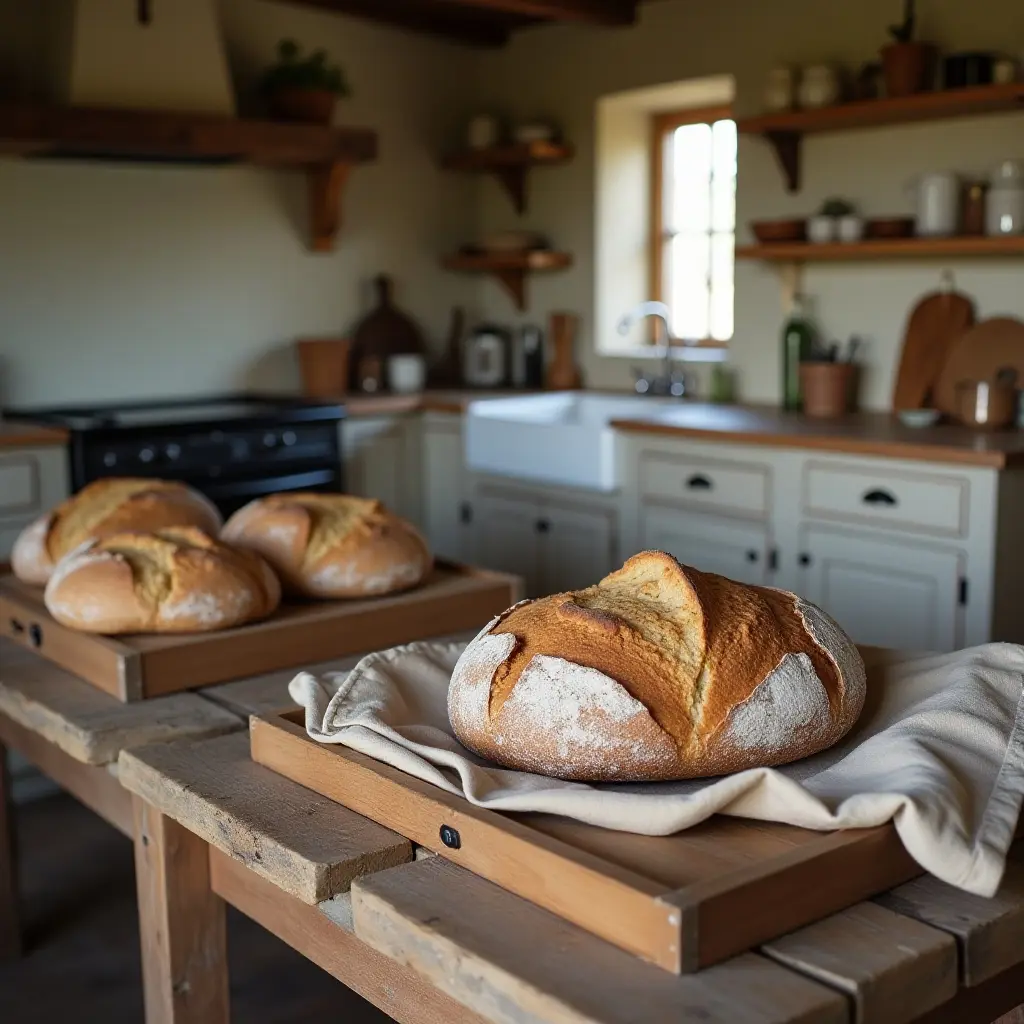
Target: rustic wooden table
point(421, 938)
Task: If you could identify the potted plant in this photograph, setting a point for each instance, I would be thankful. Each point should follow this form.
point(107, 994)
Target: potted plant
point(906, 65)
point(837, 220)
point(299, 88)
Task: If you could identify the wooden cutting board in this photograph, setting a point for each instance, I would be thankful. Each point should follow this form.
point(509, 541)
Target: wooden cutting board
point(387, 331)
point(980, 354)
point(935, 325)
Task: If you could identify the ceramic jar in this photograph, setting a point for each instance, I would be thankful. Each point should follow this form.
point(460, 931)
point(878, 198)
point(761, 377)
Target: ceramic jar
point(819, 86)
point(1004, 205)
point(937, 205)
point(850, 228)
point(779, 90)
point(821, 229)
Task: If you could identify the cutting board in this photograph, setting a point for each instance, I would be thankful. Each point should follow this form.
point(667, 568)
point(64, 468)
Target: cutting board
point(935, 325)
point(980, 354)
point(682, 901)
point(386, 331)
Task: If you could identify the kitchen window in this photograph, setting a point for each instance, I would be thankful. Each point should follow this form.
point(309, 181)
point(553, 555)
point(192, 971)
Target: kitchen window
point(693, 230)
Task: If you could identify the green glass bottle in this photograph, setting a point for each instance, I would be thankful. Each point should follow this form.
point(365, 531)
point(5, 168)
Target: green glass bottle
point(797, 347)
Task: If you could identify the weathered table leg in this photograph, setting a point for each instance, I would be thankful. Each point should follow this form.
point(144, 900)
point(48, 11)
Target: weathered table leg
point(182, 924)
point(10, 921)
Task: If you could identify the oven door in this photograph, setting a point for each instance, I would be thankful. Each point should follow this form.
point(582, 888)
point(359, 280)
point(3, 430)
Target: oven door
point(230, 495)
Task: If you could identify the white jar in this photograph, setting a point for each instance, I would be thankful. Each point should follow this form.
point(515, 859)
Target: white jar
point(850, 228)
point(779, 90)
point(407, 373)
point(821, 229)
point(1004, 205)
point(938, 205)
point(819, 86)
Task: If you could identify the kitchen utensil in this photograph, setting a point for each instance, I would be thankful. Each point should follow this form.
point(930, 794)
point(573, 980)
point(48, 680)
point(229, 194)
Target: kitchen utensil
point(827, 388)
point(563, 374)
point(528, 358)
point(989, 405)
point(974, 207)
point(323, 363)
point(407, 373)
point(483, 132)
point(819, 86)
point(937, 198)
point(485, 357)
point(1004, 207)
point(918, 419)
point(889, 227)
point(935, 325)
point(447, 372)
point(385, 332)
point(979, 355)
point(789, 230)
point(960, 70)
point(779, 90)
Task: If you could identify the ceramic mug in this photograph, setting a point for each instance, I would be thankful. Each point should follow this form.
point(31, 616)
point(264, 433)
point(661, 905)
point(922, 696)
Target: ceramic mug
point(407, 373)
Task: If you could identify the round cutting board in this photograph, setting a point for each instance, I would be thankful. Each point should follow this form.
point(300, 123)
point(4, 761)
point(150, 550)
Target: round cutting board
point(980, 354)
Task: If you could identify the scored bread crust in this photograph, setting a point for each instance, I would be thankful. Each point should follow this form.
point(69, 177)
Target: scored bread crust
point(177, 580)
point(332, 545)
point(658, 672)
point(102, 508)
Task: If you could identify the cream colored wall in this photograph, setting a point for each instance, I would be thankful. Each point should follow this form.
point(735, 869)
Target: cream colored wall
point(562, 72)
point(127, 281)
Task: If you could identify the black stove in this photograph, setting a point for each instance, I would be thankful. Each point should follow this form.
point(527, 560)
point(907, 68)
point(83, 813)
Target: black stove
point(233, 448)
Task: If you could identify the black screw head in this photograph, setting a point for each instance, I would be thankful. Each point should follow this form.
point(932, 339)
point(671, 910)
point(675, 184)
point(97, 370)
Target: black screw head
point(35, 634)
point(450, 837)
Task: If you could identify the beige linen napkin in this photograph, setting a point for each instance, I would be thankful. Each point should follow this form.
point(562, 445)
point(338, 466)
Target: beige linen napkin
point(939, 750)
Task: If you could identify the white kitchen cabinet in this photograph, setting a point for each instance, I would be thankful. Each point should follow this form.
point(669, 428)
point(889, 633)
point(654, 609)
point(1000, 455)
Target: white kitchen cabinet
point(729, 547)
point(382, 461)
point(32, 481)
point(445, 511)
point(505, 538)
point(885, 592)
point(577, 546)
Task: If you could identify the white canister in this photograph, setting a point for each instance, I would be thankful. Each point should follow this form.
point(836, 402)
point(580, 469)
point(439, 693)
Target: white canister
point(407, 373)
point(819, 86)
point(821, 229)
point(850, 228)
point(779, 90)
point(1004, 205)
point(484, 131)
point(938, 204)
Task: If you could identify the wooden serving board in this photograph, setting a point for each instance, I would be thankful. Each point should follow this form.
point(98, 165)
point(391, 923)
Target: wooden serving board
point(682, 902)
point(453, 599)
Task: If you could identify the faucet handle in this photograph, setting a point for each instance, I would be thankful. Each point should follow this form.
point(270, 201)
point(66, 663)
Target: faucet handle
point(641, 382)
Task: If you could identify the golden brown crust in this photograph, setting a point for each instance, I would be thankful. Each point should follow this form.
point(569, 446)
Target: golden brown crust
point(103, 508)
point(731, 676)
point(332, 545)
point(177, 580)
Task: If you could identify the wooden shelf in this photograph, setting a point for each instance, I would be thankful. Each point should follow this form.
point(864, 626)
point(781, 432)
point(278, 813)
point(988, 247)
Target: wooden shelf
point(511, 164)
point(885, 248)
point(325, 154)
point(511, 269)
point(785, 131)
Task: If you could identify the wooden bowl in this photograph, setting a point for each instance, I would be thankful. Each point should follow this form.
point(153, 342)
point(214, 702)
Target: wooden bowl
point(889, 227)
point(768, 231)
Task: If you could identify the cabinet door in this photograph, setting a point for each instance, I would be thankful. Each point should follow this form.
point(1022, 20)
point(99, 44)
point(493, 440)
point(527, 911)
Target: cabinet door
point(577, 547)
point(505, 538)
point(884, 593)
point(375, 460)
point(444, 491)
point(733, 548)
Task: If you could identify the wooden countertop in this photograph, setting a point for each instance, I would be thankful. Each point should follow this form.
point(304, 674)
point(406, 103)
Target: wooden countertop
point(864, 433)
point(21, 435)
point(450, 400)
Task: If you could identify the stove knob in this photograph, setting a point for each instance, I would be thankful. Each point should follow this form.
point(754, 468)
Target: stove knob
point(289, 438)
point(110, 459)
point(269, 440)
point(147, 455)
point(172, 452)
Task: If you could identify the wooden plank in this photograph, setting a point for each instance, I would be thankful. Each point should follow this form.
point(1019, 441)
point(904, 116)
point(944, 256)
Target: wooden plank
point(96, 786)
point(181, 924)
point(594, 12)
point(893, 968)
point(513, 962)
point(304, 844)
point(494, 158)
point(392, 987)
point(983, 1003)
point(10, 917)
point(91, 726)
point(989, 932)
point(884, 248)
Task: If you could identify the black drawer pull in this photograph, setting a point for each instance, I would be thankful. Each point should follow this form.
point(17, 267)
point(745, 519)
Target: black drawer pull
point(699, 482)
point(35, 634)
point(880, 497)
point(450, 837)
point(804, 559)
point(752, 556)
point(543, 526)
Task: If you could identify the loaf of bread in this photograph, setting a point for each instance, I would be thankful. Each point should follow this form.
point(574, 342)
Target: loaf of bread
point(177, 580)
point(332, 545)
point(103, 508)
point(658, 672)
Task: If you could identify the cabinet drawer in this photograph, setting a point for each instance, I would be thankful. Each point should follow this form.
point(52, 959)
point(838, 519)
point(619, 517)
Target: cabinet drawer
point(19, 486)
point(8, 535)
point(735, 487)
point(935, 504)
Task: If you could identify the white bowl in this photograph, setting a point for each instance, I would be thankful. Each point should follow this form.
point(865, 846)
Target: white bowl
point(919, 418)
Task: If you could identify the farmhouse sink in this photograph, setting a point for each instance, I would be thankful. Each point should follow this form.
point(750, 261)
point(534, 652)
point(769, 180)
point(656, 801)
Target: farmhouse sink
point(559, 438)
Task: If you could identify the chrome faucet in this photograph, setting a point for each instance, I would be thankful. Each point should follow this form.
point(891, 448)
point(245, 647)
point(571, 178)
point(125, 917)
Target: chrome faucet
point(669, 382)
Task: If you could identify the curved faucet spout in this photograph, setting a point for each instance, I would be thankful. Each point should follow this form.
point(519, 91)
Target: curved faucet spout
point(646, 309)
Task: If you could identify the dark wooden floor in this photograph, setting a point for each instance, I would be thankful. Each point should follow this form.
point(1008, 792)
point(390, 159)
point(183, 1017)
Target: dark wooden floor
point(78, 897)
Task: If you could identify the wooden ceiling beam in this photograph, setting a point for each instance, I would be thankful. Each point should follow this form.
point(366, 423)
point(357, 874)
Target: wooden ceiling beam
point(595, 12)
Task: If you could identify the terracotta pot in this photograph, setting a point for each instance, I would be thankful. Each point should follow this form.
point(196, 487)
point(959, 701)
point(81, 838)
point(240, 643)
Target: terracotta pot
point(828, 388)
point(907, 68)
point(311, 106)
point(324, 366)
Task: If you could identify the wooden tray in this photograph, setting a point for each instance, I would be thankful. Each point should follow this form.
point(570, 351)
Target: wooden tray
point(453, 599)
point(682, 902)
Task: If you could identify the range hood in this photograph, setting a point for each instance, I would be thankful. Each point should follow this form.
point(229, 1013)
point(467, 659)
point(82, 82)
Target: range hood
point(140, 55)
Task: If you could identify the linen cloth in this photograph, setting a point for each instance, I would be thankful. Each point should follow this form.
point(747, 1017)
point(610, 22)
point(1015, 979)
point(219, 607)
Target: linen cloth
point(938, 750)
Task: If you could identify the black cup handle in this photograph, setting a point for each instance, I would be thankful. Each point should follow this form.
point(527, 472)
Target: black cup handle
point(880, 497)
point(699, 482)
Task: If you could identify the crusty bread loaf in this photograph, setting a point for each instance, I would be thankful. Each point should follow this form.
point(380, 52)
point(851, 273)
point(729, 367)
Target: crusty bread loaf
point(177, 580)
point(657, 672)
point(332, 545)
point(103, 508)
